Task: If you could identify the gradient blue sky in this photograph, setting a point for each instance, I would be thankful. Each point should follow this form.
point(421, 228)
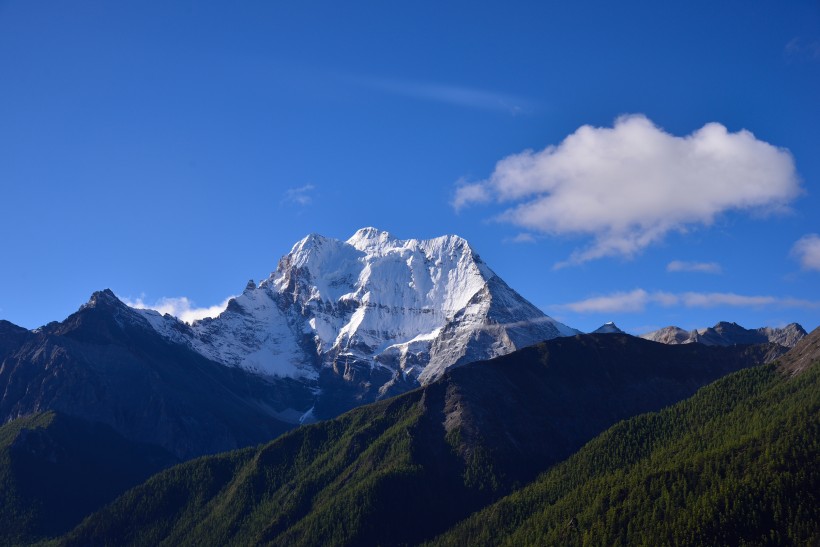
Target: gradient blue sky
point(177, 149)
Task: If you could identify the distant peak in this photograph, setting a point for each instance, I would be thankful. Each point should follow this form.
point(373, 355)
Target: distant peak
point(608, 328)
point(250, 286)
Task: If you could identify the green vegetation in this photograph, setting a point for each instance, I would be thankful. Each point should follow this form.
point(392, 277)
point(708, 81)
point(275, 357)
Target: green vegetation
point(55, 469)
point(737, 464)
point(353, 480)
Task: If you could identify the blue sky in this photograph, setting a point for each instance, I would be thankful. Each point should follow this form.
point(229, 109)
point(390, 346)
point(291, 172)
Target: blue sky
point(660, 160)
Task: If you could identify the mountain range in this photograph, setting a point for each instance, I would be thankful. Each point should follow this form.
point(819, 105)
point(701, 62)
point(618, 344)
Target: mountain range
point(466, 392)
point(336, 325)
point(727, 334)
point(405, 470)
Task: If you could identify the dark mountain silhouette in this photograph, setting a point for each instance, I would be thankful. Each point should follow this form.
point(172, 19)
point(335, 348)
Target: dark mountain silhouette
point(106, 364)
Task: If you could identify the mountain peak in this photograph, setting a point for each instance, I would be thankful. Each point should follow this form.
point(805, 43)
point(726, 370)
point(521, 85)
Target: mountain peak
point(608, 328)
point(383, 313)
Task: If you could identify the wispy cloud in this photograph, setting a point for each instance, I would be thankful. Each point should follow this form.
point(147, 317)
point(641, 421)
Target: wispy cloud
point(633, 301)
point(807, 251)
point(299, 196)
point(180, 307)
point(627, 186)
point(698, 267)
point(523, 237)
point(638, 300)
point(798, 47)
point(457, 95)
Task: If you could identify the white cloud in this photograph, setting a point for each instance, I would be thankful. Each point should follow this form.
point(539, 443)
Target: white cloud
point(180, 307)
point(299, 196)
point(700, 267)
point(628, 186)
point(467, 194)
point(807, 251)
point(638, 299)
point(633, 301)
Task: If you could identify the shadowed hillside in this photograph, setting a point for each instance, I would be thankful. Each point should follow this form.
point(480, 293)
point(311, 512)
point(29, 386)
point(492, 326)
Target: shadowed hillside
point(402, 470)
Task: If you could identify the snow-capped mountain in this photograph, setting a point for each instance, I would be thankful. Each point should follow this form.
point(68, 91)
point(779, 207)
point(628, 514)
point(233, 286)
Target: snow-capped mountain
point(608, 328)
point(728, 334)
point(381, 313)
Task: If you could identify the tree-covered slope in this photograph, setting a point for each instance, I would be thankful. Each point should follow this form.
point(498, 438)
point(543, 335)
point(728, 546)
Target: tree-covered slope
point(55, 469)
point(350, 480)
point(403, 470)
point(737, 464)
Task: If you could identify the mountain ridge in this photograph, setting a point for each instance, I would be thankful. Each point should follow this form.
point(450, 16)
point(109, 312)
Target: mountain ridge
point(104, 363)
point(735, 464)
point(726, 333)
point(442, 450)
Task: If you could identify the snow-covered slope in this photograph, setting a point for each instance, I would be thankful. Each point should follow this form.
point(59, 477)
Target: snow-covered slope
point(373, 309)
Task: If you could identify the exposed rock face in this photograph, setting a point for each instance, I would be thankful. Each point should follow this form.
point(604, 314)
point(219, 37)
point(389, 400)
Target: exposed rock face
point(728, 334)
point(788, 336)
point(367, 318)
point(803, 354)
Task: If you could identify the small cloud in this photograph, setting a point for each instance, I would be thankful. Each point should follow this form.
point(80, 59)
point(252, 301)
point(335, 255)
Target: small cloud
point(633, 301)
point(467, 194)
point(299, 196)
point(523, 237)
point(799, 48)
point(626, 187)
point(638, 299)
point(699, 267)
point(807, 251)
point(180, 307)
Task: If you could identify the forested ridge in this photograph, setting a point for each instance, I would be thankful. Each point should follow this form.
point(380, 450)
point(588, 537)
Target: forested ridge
point(737, 464)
